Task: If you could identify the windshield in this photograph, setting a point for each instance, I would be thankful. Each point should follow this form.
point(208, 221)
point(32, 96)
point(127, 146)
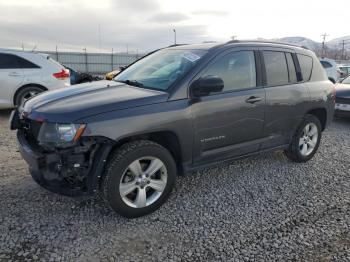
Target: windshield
point(160, 69)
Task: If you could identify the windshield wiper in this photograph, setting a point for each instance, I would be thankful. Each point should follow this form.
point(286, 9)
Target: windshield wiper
point(132, 83)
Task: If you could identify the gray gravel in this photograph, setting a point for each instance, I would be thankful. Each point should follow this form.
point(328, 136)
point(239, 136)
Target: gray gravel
point(262, 208)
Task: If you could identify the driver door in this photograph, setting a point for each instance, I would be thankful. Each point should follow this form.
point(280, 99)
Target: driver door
point(230, 123)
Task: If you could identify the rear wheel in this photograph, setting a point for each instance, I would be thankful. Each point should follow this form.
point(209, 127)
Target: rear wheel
point(26, 93)
point(306, 140)
point(139, 178)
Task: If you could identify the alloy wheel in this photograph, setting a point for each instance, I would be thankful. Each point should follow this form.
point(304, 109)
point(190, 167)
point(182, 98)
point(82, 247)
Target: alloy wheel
point(308, 139)
point(143, 182)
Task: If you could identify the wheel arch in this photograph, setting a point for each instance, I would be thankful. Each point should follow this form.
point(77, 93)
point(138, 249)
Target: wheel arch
point(321, 114)
point(26, 86)
point(167, 139)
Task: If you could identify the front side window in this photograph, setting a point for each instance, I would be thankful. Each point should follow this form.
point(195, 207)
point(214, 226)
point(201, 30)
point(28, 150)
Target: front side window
point(305, 63)
point(236, 69)
point(161, 69)
point(276, 68)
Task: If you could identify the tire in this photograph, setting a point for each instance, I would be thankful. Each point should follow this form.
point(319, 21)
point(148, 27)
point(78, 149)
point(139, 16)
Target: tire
point(26, 93)
point(124, 170)
point(304, 146)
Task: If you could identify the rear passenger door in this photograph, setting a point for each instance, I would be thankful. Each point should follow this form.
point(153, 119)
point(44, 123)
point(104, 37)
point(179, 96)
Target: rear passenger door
point(11, 77)
point(286, 95)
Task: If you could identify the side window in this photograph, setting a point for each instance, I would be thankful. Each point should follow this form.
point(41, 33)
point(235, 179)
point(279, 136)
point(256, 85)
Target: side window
point(23, 63)
point(236, 69)
point(326, 64)
point(291, 68)
point(305, 63)
point(8, 61)
point(276, 68)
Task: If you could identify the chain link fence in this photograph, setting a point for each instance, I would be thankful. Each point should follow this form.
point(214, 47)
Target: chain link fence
point(94, 63)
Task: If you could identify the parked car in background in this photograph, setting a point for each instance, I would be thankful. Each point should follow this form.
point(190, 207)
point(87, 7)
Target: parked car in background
point(77, 77)
point(342, 106)
point(345, 71)
point(25, 74)
point(176, 110)
point(112, 74)
point(332, 69)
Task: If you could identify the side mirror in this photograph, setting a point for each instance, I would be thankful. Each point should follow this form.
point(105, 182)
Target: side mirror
point(206, 85)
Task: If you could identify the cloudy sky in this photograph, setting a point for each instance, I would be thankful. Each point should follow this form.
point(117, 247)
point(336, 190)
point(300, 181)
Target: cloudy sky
point(148, 24)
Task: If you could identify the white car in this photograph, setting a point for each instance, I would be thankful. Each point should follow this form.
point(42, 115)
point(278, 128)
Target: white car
point(25, 74)
point(332, 69)
point(345, 71)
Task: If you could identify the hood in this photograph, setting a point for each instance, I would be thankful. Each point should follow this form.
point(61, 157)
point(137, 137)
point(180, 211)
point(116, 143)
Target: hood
point(69, 104)
point(342, 90)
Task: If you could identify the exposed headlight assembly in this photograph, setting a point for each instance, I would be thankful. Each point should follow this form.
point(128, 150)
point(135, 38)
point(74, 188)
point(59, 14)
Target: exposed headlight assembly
point(60, 135)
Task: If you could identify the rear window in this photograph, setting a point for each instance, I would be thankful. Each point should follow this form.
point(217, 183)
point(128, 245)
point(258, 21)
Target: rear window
point(276, 68)
point(305, 63)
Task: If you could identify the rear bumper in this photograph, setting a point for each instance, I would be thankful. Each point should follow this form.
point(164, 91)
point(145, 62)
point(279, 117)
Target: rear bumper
point(65, 173)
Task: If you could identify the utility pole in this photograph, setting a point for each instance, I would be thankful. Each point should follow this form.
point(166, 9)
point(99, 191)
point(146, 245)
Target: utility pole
point(344, 42)
point(323, 44)
point(174, 36)
point(86, 61)
point(112, 60)
point(57, 54)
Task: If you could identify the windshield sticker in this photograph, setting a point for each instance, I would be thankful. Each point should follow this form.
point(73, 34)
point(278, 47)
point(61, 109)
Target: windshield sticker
point(191, 57)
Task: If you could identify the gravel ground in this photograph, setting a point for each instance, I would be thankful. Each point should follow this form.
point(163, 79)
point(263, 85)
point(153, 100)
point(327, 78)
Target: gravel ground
point(263, 208)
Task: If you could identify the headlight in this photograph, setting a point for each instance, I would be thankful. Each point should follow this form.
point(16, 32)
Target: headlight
point(61, 135)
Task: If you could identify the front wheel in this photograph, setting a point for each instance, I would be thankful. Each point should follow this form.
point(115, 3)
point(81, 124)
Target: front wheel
point(26, 93)
point(306, 140)
point(139, 178)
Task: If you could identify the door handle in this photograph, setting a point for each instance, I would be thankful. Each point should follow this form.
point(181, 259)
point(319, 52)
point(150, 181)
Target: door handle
point(14, 74)
point(253, 99)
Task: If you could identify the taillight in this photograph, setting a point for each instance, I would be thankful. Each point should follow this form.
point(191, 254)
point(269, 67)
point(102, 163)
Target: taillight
point(64, 74)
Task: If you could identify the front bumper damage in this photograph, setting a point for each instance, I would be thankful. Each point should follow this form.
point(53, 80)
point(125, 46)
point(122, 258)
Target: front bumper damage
point(73, 171)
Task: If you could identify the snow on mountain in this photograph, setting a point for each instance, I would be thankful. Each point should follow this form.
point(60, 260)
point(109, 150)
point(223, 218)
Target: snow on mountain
point(301, 41)
point(313, 45)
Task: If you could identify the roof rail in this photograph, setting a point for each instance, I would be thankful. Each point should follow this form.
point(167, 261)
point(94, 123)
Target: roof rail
point(264, 42)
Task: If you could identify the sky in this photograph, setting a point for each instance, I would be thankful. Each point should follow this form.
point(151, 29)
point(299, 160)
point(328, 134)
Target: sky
point(144, 25)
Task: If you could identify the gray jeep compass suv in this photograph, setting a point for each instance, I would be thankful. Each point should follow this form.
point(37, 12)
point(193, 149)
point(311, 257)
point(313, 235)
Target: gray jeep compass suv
point(176, 110)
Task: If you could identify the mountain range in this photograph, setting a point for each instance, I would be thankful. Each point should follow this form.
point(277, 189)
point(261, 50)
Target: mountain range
point(334, 44)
